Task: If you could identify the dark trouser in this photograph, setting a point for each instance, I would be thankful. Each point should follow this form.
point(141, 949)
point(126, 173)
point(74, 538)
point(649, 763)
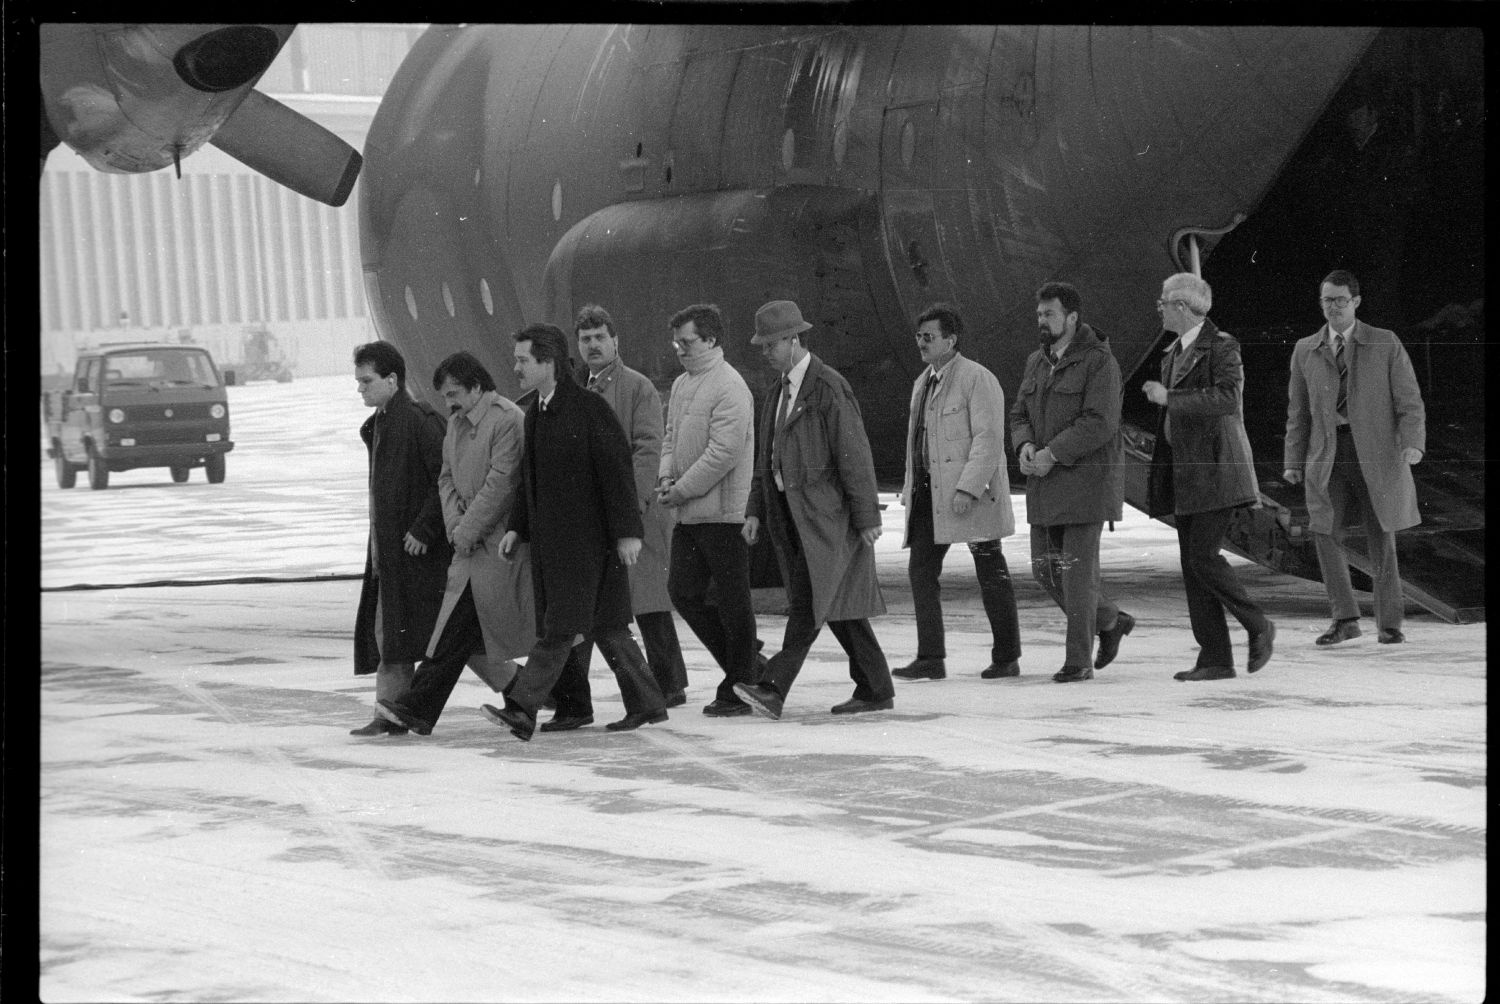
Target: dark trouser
point(925, 565)
point(867, 665)
point(1065, 562)
point(1212, 587)
point(554, 655)
point(432, 684)
point(1345, 485)
point(663, 656)
point(716, 553)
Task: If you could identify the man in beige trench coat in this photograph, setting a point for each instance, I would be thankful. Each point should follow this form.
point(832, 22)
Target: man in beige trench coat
point(487, 618)
point(1355, 425)
point(957, 491)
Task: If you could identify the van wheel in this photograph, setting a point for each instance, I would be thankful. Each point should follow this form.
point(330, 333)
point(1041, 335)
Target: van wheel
point(213, 466)
point(67, 474)
point(98, 472)
point(179, 474)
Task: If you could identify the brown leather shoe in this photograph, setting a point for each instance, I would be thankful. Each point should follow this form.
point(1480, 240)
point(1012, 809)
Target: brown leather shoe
point(1340, 631)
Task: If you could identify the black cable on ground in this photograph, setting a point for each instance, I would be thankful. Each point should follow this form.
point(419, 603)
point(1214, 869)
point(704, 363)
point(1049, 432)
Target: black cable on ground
point(246, 580)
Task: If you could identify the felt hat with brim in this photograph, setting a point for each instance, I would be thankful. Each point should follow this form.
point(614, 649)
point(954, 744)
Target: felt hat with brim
point(776, 320)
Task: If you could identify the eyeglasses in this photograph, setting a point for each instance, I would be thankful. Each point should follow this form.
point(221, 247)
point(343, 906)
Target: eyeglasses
point(926, 336)
point(686, 343)
point(1164, 304)
point(1339, 302)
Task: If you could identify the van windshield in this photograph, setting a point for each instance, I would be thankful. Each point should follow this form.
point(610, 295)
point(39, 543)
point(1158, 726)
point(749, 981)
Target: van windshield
point(160, 368)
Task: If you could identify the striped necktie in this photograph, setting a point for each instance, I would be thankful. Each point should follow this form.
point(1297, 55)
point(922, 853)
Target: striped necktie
point(1338, 357)
point(786, 398)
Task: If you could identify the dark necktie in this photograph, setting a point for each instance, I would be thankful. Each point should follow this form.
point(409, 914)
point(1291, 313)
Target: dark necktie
point(919, 434)
point(1338, 357)
point(786, 399)
point(593, 382)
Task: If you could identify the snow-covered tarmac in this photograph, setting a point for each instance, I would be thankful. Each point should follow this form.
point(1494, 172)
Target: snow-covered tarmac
point(209, 830)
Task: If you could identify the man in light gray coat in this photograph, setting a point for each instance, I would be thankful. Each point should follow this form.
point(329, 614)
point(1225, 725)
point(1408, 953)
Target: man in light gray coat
point(1355, 425)
point(707, 458)
point(487, 618)
point(957, 491)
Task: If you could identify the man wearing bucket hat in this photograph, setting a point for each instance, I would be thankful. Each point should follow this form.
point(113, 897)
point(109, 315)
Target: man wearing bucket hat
point(814, 489)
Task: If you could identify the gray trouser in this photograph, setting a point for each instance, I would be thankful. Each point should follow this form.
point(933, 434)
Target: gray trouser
point(1065, 562)
point(1346, 485)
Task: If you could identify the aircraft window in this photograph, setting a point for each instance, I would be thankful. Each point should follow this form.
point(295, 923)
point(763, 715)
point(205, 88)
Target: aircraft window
point(669, 174)
point(788, 149)
point(411, 303)
point(840, 141)
point(557, 200)
point(476, 176)
point(908, 143)
point(448, 299)
point(484, 295)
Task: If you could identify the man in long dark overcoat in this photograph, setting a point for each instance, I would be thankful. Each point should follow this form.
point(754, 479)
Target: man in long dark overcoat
point(637, 404)
point(1202, 471)
point(814, 488)
point(406, 562)
point(578, 511)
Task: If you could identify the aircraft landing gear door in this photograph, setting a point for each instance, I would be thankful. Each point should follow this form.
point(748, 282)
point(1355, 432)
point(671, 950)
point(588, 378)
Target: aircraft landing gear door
point(909, 167)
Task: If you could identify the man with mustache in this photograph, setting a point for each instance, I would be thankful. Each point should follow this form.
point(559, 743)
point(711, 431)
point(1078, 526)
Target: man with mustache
point(638, 407)
point(487, 617)
point(1065, 425)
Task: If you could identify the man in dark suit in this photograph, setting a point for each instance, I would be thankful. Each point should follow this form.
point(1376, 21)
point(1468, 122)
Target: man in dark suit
point(814, 487)
point(637, 405)
point(578, 511)
point(1355, 425)
point(1202, 471)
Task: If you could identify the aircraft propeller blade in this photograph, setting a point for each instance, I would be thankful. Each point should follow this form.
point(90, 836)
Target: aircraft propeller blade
point(289, 148)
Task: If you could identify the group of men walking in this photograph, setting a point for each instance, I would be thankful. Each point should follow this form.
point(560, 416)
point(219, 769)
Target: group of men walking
point(535, 530)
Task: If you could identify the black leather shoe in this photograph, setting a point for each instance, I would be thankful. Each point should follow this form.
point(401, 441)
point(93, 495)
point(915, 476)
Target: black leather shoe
point(996, 670)
point(1109, 641)
point(676, 698)
point(761, 698)
point(1340, 631)
point(854, 706)
point(922, 669)
point(397, 715)
point(1072, 674)
point(1260, 647)
point(1391, 636)
point(637, 720)
point(567, 723)
point(727, 709)
point(379, 727)
point(521, 724)
point(1205, 673)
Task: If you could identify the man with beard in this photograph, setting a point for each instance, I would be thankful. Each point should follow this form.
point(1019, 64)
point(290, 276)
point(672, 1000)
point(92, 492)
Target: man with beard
point(1065, 425)
point(487, 617)
point(579, 513)
point(638, 407)
point(408, 552)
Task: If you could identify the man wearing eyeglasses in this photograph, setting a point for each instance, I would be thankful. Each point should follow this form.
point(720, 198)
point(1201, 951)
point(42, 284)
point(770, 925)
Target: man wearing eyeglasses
point(707, 458)
point(957, 491)
point(1202, 471)
point(1065, 425)
point(1355, 425)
